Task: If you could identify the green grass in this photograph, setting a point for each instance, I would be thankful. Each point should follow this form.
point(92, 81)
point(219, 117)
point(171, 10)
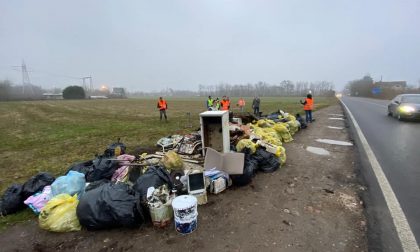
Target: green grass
point(48, 136)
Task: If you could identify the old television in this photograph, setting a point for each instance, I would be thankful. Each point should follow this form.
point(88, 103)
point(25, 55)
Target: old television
point(196, 183)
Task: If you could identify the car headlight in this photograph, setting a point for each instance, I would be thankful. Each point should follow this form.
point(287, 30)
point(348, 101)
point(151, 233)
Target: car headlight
point(407, 109)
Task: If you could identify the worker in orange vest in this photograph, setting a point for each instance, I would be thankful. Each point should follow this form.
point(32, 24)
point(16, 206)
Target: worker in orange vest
point(162, 106)
point(241, 104)
point(224, 103)
point(308, 106)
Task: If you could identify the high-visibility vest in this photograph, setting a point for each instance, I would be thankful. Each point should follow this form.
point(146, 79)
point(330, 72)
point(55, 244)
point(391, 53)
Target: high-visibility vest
point(241, 102)
point(309, 104)
point(209, 103)
point(225, 105)
point(162, 104)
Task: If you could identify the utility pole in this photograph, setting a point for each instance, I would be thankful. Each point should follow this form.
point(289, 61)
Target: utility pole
point(26, 82)
point(90, 83)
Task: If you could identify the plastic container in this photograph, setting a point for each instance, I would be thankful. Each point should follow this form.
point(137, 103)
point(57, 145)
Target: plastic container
point(161, 216)
point(185, 213)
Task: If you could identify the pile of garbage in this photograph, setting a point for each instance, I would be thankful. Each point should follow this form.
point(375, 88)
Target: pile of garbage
point(116, 189)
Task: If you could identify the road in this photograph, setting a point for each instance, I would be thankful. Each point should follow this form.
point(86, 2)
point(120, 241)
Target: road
point(396, 146)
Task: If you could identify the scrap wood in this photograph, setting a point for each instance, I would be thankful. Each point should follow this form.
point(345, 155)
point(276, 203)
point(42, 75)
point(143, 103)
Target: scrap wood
point(161, 154)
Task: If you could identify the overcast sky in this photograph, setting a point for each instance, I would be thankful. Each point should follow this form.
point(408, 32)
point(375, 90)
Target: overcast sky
point(150, 45)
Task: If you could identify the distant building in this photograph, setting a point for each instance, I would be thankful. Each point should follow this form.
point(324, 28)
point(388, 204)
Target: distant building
point(395, 85)
point(51, 96)
point(118, 92)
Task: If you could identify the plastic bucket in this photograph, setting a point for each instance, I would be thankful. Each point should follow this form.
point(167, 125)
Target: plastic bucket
point(185, 213)
point(161, 216)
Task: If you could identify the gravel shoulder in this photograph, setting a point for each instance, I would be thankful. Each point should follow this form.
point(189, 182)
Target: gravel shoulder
point(310, 204)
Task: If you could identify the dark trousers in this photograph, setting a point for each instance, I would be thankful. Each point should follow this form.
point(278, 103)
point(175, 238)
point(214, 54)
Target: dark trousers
point(308, 115)
point(163, 112)
point(257, 111)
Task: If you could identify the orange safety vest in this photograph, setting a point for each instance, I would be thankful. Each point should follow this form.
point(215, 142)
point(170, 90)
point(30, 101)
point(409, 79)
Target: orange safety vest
point(241, 102)
point(162, 104)
point(309, 104)
point(225, 105)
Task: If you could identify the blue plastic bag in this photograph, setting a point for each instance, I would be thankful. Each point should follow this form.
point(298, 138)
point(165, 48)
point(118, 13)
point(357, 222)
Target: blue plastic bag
point(73, 183)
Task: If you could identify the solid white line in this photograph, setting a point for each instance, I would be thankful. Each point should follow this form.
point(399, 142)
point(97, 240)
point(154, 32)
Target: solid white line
point(405, 234)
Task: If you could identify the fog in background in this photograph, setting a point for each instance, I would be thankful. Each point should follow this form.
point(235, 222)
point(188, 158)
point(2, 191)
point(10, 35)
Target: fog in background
point(181, 44)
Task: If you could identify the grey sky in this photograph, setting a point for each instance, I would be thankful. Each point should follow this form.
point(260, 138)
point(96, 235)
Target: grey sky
point(150, 45)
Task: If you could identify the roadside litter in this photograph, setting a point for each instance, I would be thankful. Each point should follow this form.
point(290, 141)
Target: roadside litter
point(116, 189)
point(59, 214)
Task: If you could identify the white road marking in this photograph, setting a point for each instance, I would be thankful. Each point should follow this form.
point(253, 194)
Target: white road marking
point(405, 234)
point(335, 142)
point(333, 127)
point(319, 151)
point(336, 118)
point(336, 115)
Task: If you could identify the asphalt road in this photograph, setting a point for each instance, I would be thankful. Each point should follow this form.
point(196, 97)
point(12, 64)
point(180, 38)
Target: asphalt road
point(397, 148)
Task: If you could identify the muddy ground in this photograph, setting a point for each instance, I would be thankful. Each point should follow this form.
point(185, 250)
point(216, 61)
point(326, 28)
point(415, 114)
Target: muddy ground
point(310, 204)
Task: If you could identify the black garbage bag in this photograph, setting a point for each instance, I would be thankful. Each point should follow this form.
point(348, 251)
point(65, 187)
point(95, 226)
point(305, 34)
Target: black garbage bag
point(12, 200)
point(154, 176)
point(36, 184)
point(115, 149)
point(301, 121)
point(96, 184)
point(104, 168)
point(109, 206)
point(250, 167)
point(86, 168)
point(267, 162)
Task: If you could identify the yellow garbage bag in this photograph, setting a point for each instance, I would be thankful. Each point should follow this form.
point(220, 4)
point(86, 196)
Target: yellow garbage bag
point(293, 126)
point(282, 155)
point(172, 161)
point(291, 117)
point(265, 123)
point(280, 128)
point(246, 143)
point(59, 214)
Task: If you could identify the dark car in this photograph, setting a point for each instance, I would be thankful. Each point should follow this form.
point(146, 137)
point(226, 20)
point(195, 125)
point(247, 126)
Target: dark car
point(405, 106)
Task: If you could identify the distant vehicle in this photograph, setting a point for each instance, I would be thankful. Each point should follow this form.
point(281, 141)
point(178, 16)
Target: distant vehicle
point(118, 93)
point(405, 106)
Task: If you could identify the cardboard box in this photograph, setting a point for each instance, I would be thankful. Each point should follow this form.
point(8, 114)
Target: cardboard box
point(231, 163)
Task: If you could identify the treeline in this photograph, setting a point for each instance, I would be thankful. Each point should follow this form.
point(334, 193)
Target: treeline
point(365, 87)
point(284, 88)
point(10, 92)
point(165, 92)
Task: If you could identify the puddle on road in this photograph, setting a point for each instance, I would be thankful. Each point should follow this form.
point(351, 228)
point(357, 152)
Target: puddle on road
point(333, 127)
point(329, 141)
point(319, 151)
point(336, 118)
point(336, 115)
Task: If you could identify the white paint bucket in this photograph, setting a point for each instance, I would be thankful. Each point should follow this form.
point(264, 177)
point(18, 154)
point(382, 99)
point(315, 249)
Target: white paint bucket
point(185, 213)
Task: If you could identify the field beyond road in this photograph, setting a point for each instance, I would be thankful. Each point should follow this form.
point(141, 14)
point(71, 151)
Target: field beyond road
point(48, 136)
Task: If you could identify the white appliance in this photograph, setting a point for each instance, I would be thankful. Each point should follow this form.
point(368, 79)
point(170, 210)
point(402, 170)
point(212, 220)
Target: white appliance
point(215, 130)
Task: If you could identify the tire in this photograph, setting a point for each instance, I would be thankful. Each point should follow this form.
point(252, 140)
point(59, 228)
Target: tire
point(389, 113)
point(399, 117)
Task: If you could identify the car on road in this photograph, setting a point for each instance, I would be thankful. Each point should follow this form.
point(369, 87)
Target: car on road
point(405, 106)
